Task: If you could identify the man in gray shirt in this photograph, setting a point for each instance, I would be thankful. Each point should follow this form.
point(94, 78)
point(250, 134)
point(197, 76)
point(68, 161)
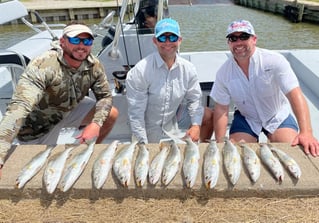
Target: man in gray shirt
point(164, 94)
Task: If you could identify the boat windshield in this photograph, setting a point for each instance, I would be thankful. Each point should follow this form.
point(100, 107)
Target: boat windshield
point(146, 16)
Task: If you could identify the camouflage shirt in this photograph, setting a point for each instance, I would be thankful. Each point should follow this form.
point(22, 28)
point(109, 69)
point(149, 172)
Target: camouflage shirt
point(46, 92)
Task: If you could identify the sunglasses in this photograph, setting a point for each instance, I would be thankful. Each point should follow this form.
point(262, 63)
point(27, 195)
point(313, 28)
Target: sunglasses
point(243, 36)
point(172, 38)
point(77, 41)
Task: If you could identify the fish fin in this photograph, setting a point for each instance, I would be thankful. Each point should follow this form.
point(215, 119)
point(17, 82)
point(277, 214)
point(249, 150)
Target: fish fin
point(177, 137)
point(89, 141)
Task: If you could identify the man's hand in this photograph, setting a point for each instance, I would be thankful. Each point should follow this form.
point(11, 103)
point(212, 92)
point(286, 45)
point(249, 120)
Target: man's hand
point(310, 144)
point(89, 132)
point(194, 132)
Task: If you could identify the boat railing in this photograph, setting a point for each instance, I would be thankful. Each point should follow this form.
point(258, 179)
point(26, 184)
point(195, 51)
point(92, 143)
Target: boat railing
point(114, 53)
point(15, 64)
point(105, 24)
point(162, 11)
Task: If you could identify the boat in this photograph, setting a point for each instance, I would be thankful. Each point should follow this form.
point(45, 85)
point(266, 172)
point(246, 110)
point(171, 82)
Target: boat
point(123, 44)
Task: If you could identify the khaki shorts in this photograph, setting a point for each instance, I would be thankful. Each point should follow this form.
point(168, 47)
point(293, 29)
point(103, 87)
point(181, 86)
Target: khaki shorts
point(72, 120)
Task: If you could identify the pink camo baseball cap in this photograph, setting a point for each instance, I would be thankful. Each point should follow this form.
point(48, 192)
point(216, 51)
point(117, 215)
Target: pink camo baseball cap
point(240, 26)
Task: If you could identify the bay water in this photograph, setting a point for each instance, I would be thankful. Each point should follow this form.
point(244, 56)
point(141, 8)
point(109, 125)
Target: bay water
point(204, 27)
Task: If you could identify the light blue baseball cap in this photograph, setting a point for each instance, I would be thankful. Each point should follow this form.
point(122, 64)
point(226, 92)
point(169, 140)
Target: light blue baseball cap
point(167, 25)
point(240, 26)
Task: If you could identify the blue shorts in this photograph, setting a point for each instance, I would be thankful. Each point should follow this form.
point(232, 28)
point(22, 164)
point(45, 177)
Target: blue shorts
point(239, 124)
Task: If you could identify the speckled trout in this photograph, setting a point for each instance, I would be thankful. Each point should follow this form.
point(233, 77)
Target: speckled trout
point(211, 165)
point(54, 169)
point(290, 164)
point(141, 165)
point(272, 163)
point(172, 162)
point(157, 164)
point(103, 164)
point(122, 165)
point(251, 162)
point(191, 162)
point(33, 167)
point(232, 161)
point(76, 166)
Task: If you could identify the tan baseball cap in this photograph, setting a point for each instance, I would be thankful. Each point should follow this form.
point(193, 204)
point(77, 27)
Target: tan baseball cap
point(76, 29)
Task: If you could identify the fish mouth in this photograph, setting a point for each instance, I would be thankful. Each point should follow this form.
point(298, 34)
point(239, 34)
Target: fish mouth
point(280, 179)
point(166, 181)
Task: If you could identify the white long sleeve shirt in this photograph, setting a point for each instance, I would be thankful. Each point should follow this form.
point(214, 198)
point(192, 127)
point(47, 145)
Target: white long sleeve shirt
point(154, 93)
point(261, 98)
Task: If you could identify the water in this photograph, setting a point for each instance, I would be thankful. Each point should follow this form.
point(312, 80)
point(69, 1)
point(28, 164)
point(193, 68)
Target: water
point(203, 28)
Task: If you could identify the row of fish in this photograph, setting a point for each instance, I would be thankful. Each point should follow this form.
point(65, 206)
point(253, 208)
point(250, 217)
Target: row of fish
point(273, 158)
point(165, 164)
point(55, 168)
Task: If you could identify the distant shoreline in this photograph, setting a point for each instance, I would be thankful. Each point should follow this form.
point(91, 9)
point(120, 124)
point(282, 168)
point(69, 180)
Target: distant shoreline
point(197, 2)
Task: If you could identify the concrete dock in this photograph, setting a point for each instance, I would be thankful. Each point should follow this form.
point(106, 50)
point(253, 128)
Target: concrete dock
point(295, 11)
point(54, 11)
point(266, 186)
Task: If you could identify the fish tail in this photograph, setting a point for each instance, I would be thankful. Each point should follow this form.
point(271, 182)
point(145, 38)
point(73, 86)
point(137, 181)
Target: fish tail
point(208, 184)
point(164, 144)
point(139, 183)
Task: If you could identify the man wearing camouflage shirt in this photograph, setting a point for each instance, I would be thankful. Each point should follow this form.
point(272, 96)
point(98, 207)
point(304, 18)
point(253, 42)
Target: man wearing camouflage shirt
point(51, 94)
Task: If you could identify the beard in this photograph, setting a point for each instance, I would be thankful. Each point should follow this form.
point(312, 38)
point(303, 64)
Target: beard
point(77, 54)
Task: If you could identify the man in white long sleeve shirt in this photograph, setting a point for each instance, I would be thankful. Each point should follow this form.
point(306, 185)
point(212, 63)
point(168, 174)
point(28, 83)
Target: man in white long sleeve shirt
point(163, 92)
point(263, 87)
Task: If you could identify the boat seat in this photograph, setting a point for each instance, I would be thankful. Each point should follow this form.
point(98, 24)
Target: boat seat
point(8, 57)
point(14, 64)
point(12, 10)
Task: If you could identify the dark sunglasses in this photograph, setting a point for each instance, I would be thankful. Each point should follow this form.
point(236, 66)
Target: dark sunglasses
point(172, 38)
point(77, 41)
point(243, 36)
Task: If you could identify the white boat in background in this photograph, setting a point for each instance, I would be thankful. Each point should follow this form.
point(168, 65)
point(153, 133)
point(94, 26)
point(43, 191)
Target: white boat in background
point(123, 45)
